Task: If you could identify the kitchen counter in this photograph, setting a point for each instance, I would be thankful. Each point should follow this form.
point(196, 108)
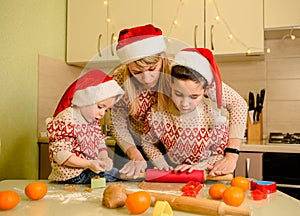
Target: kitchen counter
point(59, 201)
point(270, 147)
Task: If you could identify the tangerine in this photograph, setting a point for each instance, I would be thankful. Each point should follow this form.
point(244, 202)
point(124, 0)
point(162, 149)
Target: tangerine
point(233, 196)
point(8, 199)
point(36, 190)
point(216, 191)
point(241, 182)
point(138, 202)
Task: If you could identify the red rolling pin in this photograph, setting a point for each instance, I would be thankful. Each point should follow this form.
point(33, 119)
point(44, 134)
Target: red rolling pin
point(155, 175)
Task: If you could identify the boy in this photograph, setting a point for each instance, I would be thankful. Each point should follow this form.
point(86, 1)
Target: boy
point(193, 131)
point(76, 144)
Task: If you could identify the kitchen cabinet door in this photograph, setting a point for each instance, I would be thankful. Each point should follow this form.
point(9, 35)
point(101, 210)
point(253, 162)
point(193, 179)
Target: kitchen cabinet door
point(189, 15)
point(250, 165)
point(243, 20)
point(281, 14)
point(86, 30)
point(91, 39)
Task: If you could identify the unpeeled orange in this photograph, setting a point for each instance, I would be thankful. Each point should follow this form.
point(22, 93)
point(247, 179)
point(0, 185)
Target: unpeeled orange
point(216, 191)
point(36, 190)
point(138, 202)
point(233, 196)
point(8, 199)
point(241, 182)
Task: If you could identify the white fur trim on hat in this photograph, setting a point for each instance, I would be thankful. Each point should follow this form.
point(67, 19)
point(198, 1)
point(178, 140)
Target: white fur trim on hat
point(94, 94)
point(142, 48)
point(195, 61)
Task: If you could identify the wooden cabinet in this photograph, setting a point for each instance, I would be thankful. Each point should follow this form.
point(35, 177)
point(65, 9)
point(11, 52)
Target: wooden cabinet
point(233, 27)
point(281, 14)
point(250, 165)
point(211, 24)
point(183, 20)
point(91, 38)
point(93, 28)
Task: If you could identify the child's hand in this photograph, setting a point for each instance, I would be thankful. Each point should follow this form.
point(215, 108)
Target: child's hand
point(161, 164)
point(107, 163)
point(223, 166)
point(97, 166)
point(184, 167)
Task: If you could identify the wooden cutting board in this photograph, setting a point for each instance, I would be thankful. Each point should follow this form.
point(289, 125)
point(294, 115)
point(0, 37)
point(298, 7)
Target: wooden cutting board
point(161, 186)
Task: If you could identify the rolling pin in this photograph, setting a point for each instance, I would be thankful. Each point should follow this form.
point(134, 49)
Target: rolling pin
point(155, 175)
point(197, 205)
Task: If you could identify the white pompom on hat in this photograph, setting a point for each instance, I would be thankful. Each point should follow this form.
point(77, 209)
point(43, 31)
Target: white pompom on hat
point(139, 42)
point(202, 61)
point(93, 87)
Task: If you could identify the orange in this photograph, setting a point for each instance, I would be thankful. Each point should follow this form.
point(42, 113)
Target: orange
point(36, 190)
point(216, 191)
point(241, 182)
point(8, 199)
point(233, 196)
point(138, 202)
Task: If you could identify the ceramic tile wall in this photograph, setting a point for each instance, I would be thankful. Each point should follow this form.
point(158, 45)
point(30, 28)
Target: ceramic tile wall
point(279, 74)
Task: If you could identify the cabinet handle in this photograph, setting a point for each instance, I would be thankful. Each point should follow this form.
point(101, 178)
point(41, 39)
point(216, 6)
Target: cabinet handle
point(111, 44)
point(212, 37)
point(195, 36)
point(247, 167)
point(99, 45)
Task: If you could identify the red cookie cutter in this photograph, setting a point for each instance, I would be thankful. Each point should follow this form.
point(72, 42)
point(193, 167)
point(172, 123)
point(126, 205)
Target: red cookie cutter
point(264, 186)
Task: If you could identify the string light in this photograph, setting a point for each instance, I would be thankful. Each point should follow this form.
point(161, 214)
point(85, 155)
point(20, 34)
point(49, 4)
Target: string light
point(175, 20)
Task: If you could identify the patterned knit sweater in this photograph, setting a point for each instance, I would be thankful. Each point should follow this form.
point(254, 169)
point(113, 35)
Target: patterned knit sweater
point(194, 137)
point(70, 134)
point(127, 129)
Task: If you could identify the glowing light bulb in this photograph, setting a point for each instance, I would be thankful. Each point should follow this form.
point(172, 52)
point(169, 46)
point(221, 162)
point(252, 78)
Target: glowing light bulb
point(268, 50)
point(248, 52)
point(217, 18)
point(293, 37)
point(108, 20)
point(230, 37)
point(175, 22)
point(105, 2)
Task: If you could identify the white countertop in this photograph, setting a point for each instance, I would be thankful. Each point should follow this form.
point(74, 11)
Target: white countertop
point(59, 201)
point(270, 147)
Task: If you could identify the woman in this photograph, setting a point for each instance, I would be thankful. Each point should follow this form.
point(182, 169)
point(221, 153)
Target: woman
point(144, 77)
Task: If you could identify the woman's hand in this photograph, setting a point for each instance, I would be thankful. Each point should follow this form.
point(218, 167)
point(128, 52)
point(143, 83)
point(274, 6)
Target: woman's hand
point(224, 166)
point(134, 168)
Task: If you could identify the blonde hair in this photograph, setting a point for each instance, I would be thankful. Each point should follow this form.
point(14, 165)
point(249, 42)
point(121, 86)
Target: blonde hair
point(163, 85)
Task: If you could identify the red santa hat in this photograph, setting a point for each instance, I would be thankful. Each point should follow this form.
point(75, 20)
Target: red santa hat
point(91, 88)
point(138, 42)
point(202, 61)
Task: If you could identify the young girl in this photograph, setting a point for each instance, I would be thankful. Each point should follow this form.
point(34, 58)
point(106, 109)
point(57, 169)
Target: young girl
point(76, 144)
point(141, 51)
point(192, 129)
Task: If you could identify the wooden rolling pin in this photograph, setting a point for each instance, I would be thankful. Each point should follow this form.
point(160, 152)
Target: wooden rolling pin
point(197, 205)
point(155, 175)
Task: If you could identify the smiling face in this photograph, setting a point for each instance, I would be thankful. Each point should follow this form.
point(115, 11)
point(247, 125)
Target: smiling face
point(146, 74)
point(186, 94)
point(95, 112)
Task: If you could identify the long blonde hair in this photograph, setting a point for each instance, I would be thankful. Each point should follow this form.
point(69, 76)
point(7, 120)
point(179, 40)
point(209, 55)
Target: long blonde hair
point(131, 86)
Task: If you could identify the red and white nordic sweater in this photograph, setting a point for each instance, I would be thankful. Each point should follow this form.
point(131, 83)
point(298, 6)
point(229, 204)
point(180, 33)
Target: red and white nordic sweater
point(127, 129)
point(194, 137)
point(70, 134)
